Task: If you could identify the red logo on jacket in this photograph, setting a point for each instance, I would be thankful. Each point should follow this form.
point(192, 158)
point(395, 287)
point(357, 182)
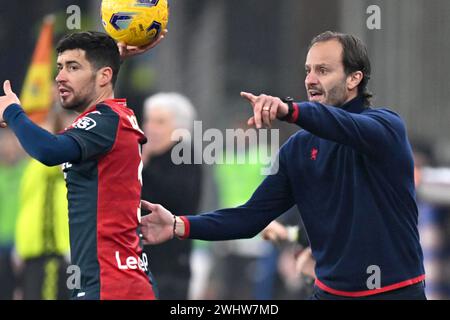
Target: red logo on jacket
point(314, 152)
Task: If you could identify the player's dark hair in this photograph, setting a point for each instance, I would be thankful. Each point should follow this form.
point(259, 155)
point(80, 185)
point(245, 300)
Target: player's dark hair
point(355, 58)
point(101, 50)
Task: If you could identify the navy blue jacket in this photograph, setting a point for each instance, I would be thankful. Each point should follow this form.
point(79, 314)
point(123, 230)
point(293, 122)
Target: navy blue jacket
point(351, 174)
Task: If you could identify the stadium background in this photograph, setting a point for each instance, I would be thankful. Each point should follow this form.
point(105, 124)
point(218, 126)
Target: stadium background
point(215, 49)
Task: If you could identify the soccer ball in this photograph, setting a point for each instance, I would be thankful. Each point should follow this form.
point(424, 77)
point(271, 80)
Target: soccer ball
point(135, 22)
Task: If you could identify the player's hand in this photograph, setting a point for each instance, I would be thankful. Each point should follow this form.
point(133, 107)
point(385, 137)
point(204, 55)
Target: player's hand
point(6, 100)
point(127, 51)
point(157, 227)
point(265, 109)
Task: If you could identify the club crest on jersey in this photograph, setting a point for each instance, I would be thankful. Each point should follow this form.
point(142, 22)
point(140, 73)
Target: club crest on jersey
point(85, 123)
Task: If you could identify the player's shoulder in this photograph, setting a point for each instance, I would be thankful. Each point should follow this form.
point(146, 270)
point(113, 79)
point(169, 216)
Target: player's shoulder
point(125, 115)
point(98, 110)
point(99, 115)
point(117, 106)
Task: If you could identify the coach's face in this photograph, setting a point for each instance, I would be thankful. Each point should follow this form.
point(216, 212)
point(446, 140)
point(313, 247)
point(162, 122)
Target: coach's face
point(76, 80)
point(326, 81)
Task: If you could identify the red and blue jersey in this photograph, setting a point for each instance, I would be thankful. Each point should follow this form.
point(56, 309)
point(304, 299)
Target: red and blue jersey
point(104, 190)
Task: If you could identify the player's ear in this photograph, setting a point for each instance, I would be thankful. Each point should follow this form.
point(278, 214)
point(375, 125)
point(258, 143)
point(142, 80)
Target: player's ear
point(104, 76)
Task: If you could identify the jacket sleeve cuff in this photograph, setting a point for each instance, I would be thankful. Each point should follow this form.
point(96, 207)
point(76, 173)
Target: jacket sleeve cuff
point(187, 227)
point(294, 116)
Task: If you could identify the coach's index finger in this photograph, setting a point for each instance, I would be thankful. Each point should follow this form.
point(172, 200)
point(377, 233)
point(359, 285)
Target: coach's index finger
point(250, 97)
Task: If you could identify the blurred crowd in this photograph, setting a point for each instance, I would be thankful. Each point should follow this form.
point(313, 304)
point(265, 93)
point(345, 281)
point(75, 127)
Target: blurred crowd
point(277, 264)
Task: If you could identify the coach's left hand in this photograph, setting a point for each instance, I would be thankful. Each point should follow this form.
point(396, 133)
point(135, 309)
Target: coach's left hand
point(6, 100)
point(157, 227)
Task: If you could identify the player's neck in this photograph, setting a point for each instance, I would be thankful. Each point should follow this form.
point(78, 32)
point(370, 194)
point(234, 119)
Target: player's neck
point(104, 95)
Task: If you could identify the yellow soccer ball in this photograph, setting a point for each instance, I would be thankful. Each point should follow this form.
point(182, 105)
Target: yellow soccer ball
point(135, 22)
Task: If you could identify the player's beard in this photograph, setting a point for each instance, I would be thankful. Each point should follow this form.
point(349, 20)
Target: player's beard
point(82, 99)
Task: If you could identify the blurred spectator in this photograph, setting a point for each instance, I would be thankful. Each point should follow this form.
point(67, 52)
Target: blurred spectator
point(278, 233)
point(11, 168)
point(178, 187)
point(433, 214)
point(296, 263)
point(42, 230)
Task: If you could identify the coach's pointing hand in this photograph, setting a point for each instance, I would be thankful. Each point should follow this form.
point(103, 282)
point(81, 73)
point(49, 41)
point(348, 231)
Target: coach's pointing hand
point(6, 100)
point(157, 227)
point(265, 109)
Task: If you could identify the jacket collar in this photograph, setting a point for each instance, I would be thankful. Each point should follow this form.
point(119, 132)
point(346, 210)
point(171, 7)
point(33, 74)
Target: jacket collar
point(355, 105)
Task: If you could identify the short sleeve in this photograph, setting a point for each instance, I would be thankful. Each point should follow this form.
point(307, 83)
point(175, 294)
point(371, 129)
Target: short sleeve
point(95, 132)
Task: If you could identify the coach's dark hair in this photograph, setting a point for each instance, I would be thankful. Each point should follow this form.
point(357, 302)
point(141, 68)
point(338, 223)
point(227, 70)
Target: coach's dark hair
point(355, 58)
point(101, 50)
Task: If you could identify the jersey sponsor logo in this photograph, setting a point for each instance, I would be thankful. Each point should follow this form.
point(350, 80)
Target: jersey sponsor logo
point(85, 123)
point(132, 262)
